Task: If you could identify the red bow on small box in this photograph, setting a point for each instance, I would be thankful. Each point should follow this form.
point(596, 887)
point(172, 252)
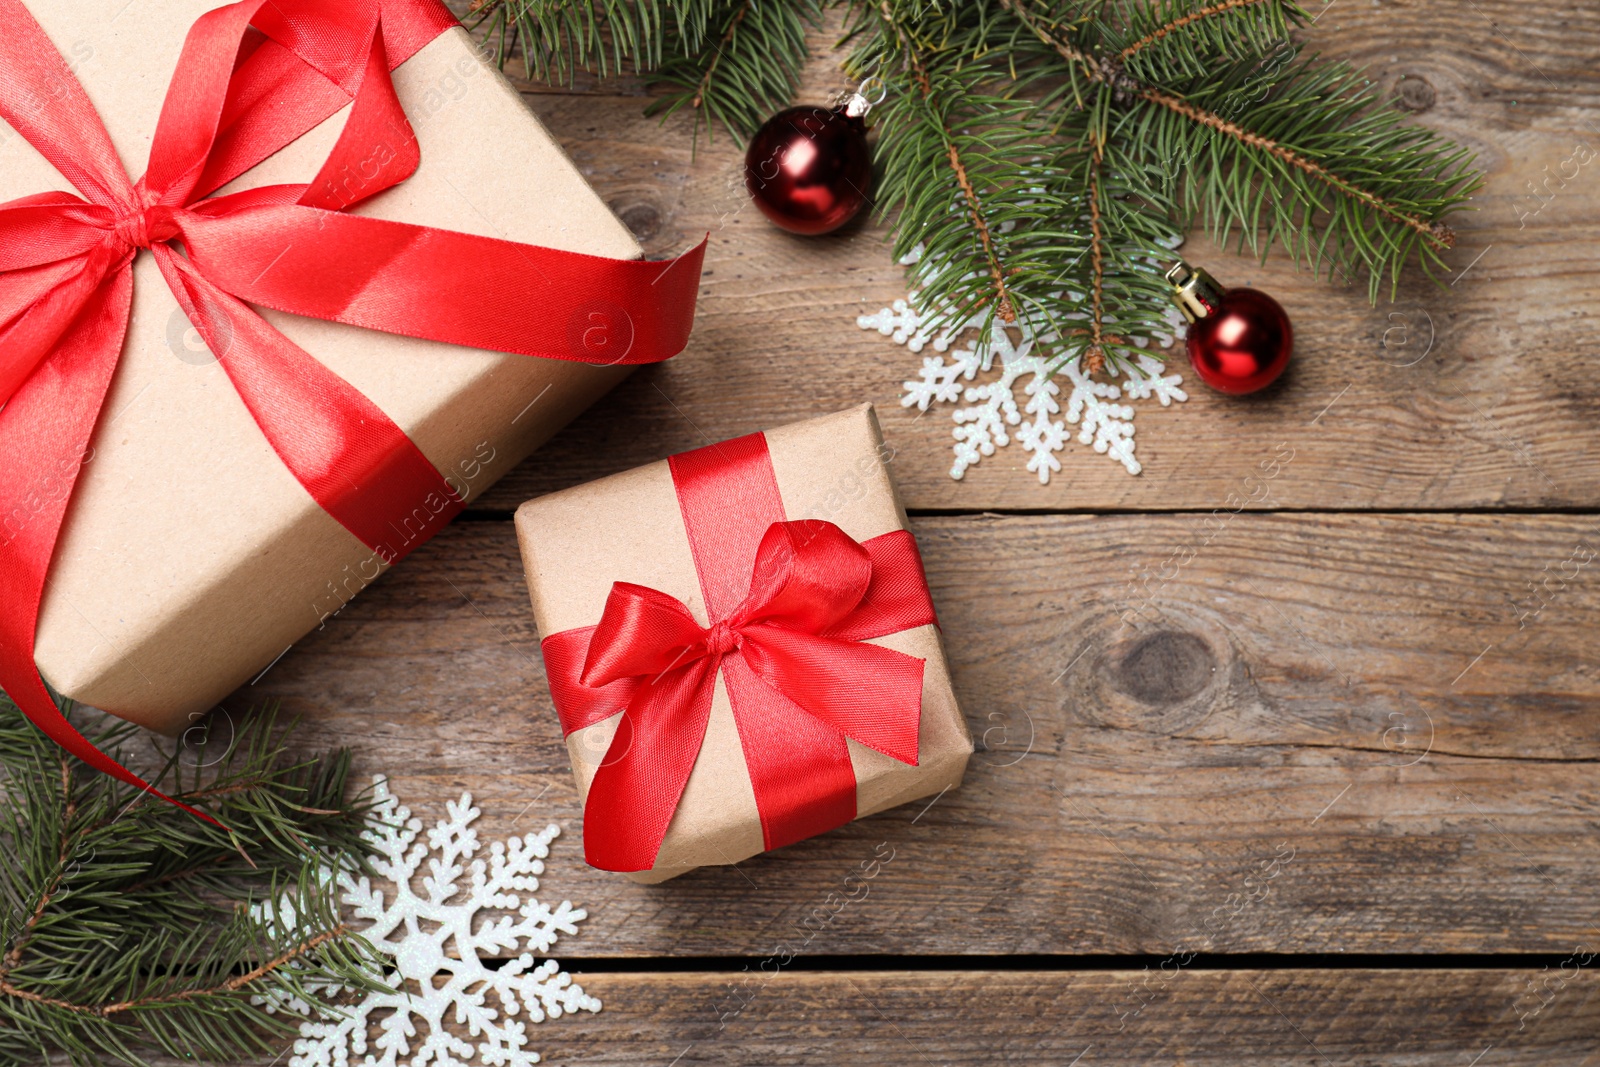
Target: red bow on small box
point(792, 651)
point(253, 77)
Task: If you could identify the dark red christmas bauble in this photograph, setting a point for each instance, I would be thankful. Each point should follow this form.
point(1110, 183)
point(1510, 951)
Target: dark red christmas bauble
point(808, 169)
point(1240, 340)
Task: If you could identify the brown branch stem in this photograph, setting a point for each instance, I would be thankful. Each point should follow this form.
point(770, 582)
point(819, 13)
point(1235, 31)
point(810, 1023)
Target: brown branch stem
point(1004, 307)
point(1094, 356)
point(232, 985)
point(64, 850)
point(1177, 24)
point(705, 82)
point(1111, 72)
point(1440, 234)
point(11, 990)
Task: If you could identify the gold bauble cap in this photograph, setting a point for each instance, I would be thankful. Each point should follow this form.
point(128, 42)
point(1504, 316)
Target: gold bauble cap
point(1196, 293)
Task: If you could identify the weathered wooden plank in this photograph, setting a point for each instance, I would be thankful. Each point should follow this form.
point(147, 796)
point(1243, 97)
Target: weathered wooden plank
point(1299, 733)
point(1444, 1018)
point(1459, 397)
point(1244, 1018)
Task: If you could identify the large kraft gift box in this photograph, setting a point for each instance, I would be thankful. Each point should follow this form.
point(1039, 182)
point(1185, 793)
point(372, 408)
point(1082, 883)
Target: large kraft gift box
point(630, 528)
point(191, 558)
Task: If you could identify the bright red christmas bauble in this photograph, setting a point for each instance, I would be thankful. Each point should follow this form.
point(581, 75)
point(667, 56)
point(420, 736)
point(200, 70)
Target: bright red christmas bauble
point(1244, 344)
point(808, 169)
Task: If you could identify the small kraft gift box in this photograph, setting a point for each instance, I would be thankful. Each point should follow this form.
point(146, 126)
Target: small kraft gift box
point(741, 647)
point(358, 282)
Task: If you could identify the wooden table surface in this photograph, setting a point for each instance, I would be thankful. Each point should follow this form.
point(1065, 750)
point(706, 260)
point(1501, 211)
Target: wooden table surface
point(1383, 674)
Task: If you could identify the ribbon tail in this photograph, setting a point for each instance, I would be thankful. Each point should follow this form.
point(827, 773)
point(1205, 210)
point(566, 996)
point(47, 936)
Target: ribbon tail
point(354, 461)
point(799, 765)
point(45, 431)
point(866, 692)
point(635, 791)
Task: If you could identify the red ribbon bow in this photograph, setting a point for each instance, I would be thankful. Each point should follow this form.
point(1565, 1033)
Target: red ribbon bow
point(793, 652)
point(253, 77)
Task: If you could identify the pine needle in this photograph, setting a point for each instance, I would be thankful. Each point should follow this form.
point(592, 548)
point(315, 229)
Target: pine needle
point(125, 923)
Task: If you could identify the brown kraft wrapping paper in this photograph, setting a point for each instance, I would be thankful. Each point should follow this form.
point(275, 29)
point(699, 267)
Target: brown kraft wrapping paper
point(628, 528)
point(191, 559)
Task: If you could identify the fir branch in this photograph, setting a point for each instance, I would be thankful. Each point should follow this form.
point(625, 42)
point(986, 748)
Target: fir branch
point(1436, 232)
point(558, 38)
point(232, 985)
point(1027, 183)
point(738, 67)
point(1003, 305)
point(1073, 55)
point(704, 85)
point(1172, 26)
point(1158, 40)
point(1040, 157)
point(1234, 191)
point(20, 939)
point(730, 62)
point(930, 106)
point(127, 926)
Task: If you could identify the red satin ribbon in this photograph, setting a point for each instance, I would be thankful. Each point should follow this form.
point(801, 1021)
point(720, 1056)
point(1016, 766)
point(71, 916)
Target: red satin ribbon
point(253, 77)
point(792, 605)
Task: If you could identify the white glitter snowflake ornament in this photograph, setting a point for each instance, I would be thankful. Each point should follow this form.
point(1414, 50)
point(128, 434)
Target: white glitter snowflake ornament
point(442, 951)
point(992, 414)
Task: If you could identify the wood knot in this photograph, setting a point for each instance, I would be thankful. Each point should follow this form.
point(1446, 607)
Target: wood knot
point(1163, 668)
point(642, 220)
point(1163, 679)
point(1414, 93)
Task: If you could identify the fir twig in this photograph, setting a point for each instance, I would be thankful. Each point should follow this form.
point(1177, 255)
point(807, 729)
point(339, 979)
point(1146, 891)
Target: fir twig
point(974, 205)
point(128, 926)
point(1173, 26)
point(1064, 48)
point(232, 985)
point(704, 85)
point(1437, 232)
point(1113, 73)
point(1128, 121)
point(735, 64)
point(19, 941)
point(1094, 357)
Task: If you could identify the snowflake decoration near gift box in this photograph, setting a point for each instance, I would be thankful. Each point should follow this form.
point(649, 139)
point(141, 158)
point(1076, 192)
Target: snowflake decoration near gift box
point(416, 930)
point(992, 414)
